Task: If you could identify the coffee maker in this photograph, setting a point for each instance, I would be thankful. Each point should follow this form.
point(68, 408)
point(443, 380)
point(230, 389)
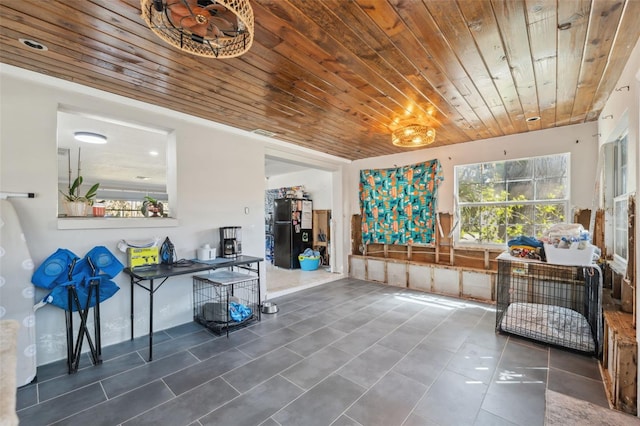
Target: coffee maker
point(231, 241)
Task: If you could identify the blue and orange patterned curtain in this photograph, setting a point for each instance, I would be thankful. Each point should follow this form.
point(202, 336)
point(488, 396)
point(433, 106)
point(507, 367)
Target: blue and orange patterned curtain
point(398, 205)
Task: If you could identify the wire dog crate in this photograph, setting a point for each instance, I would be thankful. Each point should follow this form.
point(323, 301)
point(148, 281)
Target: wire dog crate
point(224, 300)
point(558, 305)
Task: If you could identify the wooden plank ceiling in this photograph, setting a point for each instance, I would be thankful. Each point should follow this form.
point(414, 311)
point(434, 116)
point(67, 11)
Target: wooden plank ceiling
point(337, 75)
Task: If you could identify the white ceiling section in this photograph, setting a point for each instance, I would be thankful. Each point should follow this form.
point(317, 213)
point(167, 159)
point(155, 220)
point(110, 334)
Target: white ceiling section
point(276, 167)
point(121, 163)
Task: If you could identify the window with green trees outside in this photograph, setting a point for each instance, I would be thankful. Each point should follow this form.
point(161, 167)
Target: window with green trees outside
point(501, 200)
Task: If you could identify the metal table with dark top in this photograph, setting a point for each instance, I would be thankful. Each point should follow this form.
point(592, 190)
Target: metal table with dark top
point(163, 272)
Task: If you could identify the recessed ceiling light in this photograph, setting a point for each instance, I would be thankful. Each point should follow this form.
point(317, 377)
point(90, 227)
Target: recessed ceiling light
point(530, 119)
point(32, 44)
point(154, 153)
point(263, 132)
point(564, 26)
point(90, 137)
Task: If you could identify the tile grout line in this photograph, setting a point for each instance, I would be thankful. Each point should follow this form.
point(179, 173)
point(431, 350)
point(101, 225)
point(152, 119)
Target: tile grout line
point(392, 367)
point(493, 376)
point(577, 375)
point(427, 387)
point(355, 356)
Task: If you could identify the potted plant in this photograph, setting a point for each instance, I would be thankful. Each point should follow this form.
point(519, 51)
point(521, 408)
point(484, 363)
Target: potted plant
point(152, 207)
point(76, 204)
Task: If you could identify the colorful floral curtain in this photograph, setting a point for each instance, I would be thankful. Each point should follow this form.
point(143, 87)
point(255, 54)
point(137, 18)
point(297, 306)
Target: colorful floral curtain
point(398, 205)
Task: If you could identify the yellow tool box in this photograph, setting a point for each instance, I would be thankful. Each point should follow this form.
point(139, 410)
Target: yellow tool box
point(142, 256)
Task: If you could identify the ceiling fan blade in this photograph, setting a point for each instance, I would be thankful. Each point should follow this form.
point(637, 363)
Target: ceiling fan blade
point(203, 21)
point(200, 29)
point(190, 4)
point(222, 24)
point(215, 8)
point(196, 16)
point(176, 19)
point(178, 10)
point(220, 11)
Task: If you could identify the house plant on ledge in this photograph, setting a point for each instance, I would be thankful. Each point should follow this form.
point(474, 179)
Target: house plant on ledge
point(152, 207)
point(76, 204)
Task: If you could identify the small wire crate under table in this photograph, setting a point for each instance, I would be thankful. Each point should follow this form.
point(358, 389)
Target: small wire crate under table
point(214, 294)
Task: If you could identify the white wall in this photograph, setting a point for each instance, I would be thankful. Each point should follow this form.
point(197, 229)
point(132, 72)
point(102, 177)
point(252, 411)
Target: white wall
point(318, 183)
point(622, 102)
point(579, 140)
point(229, 162)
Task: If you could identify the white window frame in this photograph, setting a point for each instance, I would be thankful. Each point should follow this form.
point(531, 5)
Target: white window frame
point(618, 193)
point(621, 228)
point(459, 205)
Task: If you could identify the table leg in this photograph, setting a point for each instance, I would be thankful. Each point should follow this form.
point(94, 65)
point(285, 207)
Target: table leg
point(131, 313)
point(259, 300)
point(97, 333)
point(68, 315)
point(150, 320)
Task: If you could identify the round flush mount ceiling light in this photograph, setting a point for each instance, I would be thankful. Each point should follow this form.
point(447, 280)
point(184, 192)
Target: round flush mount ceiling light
point(90, 137)
point(413, 135)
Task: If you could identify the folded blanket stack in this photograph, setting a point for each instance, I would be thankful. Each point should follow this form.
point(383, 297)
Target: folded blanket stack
point(526, 248)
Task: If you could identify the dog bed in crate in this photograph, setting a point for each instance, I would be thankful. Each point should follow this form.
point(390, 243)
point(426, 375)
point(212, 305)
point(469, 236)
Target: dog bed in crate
point(551, 324)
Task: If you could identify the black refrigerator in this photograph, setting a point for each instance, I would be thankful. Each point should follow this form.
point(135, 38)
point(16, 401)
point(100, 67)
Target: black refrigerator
point(292, 231)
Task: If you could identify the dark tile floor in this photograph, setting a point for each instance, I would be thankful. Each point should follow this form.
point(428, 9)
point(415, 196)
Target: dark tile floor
point(344, 353)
